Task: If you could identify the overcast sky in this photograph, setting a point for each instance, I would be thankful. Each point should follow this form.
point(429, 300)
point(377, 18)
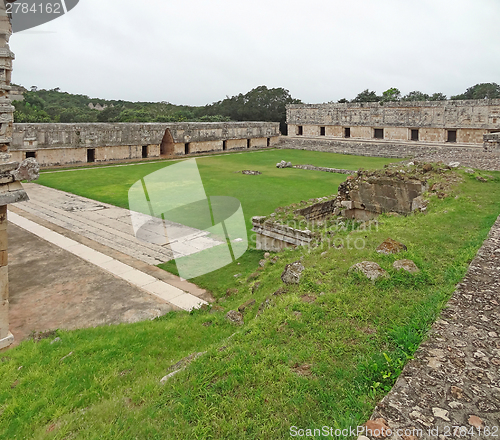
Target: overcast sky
point(197, 51)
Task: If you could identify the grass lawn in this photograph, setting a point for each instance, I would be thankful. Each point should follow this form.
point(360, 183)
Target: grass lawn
point(322, 352)
point(259, 195)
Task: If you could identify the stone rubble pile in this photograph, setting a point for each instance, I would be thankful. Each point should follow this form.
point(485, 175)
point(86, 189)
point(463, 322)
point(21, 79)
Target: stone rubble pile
point(284, 164)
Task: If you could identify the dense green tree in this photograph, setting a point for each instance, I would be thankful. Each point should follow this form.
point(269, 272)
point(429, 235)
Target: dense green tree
point(416, 96)
point(480, 91)
point(438, 97)
point(109, 114)
point(259, 104)
point(392, 94)
point(367, 96)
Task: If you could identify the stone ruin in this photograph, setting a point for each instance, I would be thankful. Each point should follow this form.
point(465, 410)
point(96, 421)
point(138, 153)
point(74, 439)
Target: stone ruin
point(492, 142)
point(397, 188)
point(366, 195)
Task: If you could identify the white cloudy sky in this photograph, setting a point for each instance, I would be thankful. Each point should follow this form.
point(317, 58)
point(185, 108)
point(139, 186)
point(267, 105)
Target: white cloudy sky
point(197, 51)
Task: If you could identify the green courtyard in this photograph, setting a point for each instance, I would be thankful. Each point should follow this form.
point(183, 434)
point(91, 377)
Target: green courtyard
point(322, 352)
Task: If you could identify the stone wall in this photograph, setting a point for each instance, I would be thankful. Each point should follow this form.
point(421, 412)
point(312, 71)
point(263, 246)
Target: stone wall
point(53, 144)
point(274, 236)
point(372, 148)
point(492, 142)
point(319, 210)
point(462, 122)
point(11, 190)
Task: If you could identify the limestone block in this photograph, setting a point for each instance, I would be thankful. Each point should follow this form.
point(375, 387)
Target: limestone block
point(8, 340)
point(4, 319)
point(27, 170)
point(4, 283)
point(3, 240)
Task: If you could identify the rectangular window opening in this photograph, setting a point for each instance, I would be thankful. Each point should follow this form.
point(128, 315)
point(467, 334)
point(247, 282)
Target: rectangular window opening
point(144, 151)
point(299, 130)
point(452, 136)
point(248, 143)
point(187, 148)
point(322, 131)
point(347, 132)
point(91, 155)
point(30, 154)
point(379, 133)
point(224, 145)
point(414, 135)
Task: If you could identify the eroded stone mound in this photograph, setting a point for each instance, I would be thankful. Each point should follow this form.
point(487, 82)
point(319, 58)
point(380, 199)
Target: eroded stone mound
point(292, 273)
point(407, 265)
point(391, 246)
point(284, 164)
point(370, 269)
point(235, 317)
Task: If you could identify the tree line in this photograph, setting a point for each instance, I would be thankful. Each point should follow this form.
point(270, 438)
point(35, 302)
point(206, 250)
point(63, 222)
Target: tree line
point(479, 91)
point(259, 104)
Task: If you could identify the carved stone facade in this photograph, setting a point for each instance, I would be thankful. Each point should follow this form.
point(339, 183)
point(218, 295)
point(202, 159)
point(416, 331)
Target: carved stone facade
point(492, 142)
point(453, 122)
point(55, 144)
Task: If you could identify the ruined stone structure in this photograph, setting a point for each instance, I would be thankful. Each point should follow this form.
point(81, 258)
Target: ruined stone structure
point(55, 144)
point(492, 142)
point(433, 122)
point(363, 196)
point(274, 236)
point(16, 93)
point(11, 190)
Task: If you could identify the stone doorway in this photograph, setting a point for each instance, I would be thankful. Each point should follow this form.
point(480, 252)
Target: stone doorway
point(167, 144)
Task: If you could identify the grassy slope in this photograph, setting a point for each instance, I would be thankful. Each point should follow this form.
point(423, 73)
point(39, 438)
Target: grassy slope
point(109, 387)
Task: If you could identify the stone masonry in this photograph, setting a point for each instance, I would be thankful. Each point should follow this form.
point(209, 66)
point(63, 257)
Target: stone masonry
point(11, 190)
point(462, 122)
point(492, 142)
point(56, 144)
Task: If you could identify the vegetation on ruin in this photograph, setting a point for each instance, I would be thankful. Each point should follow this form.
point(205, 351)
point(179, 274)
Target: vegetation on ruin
point(321, 352)
point(478, 91)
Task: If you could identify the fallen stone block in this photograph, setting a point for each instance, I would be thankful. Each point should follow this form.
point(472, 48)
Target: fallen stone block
point(235, 317)
point(292, 273)
point(246, 305)
point(370, 269)
point(407, 265)
point(391, 246)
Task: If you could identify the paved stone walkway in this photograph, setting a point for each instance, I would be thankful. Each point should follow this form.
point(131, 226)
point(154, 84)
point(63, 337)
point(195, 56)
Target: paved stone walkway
point(167, 292)
point(50, 289)
point(454, 378)
point(112, 226)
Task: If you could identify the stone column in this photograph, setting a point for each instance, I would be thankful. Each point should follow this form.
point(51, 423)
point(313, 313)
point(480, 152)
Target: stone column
point(11, 190)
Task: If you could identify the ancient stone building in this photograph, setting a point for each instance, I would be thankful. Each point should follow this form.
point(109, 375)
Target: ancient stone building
point(54, 144)
point(447, 122)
